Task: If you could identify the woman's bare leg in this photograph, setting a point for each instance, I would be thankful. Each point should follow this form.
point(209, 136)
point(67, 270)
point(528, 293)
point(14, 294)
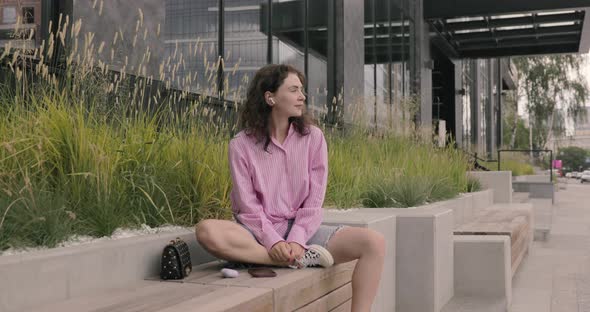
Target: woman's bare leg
point(368, 246)
point(228, 240)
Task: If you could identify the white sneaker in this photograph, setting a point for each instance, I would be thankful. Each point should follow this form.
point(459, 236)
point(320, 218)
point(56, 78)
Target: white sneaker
point(315, 256)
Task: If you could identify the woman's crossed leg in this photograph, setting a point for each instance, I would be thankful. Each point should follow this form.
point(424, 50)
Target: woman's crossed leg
point(229, 241)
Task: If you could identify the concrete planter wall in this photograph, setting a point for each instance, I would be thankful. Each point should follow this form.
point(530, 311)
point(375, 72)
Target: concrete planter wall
point(424, 257)
point(424, 249)
point(36, 278)
point(418, 273)
point(499, 181)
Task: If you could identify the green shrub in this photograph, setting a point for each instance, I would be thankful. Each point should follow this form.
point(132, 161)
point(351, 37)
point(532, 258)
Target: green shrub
point(80, 153)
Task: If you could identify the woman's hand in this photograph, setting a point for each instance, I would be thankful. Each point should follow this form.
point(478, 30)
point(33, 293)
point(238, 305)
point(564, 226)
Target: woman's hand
point(281, 252)
point(297, 250)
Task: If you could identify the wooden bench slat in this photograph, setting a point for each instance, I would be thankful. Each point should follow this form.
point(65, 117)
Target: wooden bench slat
point(292, 289)
point(228, 299)
point(345, 307)
point(155, 296)
point(330, 301)
point(508, 220)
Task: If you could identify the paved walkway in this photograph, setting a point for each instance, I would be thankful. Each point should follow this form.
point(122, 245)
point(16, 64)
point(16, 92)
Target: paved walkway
point(555, 276)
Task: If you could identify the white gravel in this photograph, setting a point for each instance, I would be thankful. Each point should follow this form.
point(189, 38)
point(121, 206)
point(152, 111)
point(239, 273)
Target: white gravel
point(76, 240)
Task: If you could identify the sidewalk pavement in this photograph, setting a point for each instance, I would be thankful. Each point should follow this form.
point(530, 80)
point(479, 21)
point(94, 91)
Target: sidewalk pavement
point(555, 276)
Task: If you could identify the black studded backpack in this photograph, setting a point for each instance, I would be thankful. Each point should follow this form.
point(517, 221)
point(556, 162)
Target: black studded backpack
point(176, 260)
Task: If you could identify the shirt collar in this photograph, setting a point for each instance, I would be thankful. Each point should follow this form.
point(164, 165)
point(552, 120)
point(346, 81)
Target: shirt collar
point(289, 134)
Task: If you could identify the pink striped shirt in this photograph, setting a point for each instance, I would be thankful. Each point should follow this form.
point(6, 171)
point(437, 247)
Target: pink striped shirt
point(288, 182)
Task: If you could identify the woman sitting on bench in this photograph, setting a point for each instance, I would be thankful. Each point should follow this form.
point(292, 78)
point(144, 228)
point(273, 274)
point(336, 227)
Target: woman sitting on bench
point(279, 169)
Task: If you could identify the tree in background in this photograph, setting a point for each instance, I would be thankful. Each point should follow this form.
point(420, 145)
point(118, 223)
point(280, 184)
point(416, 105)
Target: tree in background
point(516, 133)
point(573, 157)
point(555, 90)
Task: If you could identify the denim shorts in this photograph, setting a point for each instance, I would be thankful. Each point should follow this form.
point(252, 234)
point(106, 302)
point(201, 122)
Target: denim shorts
point(321, 236)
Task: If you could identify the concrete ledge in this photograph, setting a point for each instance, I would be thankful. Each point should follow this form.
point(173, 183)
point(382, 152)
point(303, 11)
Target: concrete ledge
point(424, 257)
point(536, 189)
point(533, 178)
point(482, 267)
point(499, 181)
point(476, 304)
point(466, 206)
point(384, 223)
point(84, 269)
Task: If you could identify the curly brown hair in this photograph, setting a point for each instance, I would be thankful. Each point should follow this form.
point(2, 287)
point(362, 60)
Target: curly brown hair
point(255, 112)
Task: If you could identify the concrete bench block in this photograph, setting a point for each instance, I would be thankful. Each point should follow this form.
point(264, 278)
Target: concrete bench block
point(499, 181)
point(543, 216)
point(424, 257)
point(482, 266)
point(520, 197)
point(79, 270)
point(512, 220)
point(536, 189)
point(476, 304)
point(541, 190)
point(384, 223)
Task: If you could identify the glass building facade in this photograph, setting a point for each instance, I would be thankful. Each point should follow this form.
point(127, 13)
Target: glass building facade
point(365, 61)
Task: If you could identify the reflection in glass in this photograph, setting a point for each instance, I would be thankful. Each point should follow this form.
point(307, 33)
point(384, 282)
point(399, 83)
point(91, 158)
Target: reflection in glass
point(245, 45)
point(190, 39)
point(387, 38)
point(27, 16)
point(466, 104)
point(288, 33)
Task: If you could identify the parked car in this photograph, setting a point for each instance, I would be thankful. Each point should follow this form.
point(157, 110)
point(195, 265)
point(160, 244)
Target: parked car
point(568, 175)
point(585, 177)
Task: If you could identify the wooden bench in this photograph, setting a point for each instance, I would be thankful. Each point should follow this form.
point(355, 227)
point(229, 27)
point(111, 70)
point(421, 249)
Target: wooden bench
point(512, 220)
point(312, 289)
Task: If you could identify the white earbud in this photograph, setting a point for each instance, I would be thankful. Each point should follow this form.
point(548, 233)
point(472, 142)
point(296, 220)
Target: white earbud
point(272, 101)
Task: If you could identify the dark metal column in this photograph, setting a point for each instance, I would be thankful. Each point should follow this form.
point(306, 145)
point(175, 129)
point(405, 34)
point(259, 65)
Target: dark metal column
point(306, 46)
point(475, 107)
point(220, 50)
point(489, 108)
point(332, 64)
point(269, 38)
point(374, 51)
point(499, 130)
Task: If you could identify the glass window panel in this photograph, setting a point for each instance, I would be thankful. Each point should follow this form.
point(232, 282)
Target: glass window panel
point(317, 75)
point(245, 45)
point(9, 15)
point(288, 32)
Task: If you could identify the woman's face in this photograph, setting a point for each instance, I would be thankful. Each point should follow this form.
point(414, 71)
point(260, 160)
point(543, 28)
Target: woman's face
point(289, 99)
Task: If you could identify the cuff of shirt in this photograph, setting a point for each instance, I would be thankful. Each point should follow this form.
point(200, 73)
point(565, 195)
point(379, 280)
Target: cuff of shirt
point(297, 235)
point(270, 238)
